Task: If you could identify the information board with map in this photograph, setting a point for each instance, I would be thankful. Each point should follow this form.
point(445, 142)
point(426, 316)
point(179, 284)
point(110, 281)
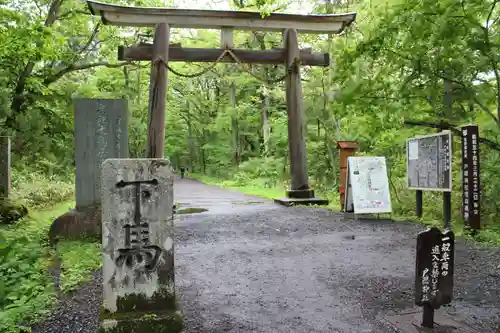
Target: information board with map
point(428, 162)
point(367, 185)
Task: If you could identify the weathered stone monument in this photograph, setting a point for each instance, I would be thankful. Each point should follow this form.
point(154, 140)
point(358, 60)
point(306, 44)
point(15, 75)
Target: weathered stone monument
point(4, 166)
point(138, 247)
point(100, 133)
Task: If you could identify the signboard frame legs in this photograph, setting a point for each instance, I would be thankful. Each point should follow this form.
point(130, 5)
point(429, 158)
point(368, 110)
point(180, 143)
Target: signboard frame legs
point(447, 210)
point(419, 203)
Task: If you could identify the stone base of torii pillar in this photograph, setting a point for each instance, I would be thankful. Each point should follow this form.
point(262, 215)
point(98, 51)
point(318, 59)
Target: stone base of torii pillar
point(300, 197)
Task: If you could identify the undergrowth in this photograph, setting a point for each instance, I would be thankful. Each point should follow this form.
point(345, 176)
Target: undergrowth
point(37, 191)
point(26, 288)
point(78, 260)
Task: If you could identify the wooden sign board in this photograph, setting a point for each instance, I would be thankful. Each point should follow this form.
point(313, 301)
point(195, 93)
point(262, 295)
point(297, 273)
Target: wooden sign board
point(428, 162)
point(434, 267)
point(367, 186)
point(471, 199)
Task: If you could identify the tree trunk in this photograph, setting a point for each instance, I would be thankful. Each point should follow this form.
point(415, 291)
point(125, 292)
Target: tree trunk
point(126, 85)
point(234, 129)
point(264, 97)
point(264, 115)
point(447, 109)
point(203, 159)
point(19, 98)
point(138, 96)
point(190, 141)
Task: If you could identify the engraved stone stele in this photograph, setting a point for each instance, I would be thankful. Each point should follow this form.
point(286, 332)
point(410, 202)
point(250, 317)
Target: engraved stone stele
point(100, 133)
point(138, 247)
point(4, 166)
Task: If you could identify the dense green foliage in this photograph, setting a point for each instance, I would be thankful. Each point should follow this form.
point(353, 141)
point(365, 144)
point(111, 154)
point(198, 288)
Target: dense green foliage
point(26, 287)
point(391, 65)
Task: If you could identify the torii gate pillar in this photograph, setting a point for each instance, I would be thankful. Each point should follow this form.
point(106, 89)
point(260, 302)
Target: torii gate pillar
point(158, 85)
point(299, 192)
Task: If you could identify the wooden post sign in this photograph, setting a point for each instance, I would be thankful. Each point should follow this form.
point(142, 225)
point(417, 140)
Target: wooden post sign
point(434, 271)
point(470, 178)
point(367, 188)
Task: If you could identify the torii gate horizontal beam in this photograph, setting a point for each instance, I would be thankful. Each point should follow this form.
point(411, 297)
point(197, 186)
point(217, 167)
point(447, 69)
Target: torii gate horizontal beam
point(214, 19)
point(176, 52)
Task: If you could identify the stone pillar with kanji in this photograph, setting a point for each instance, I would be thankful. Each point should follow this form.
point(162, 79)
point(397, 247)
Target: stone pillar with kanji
point(138, 247)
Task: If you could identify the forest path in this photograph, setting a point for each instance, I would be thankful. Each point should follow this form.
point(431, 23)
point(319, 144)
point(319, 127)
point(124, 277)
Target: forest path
point(249, 265)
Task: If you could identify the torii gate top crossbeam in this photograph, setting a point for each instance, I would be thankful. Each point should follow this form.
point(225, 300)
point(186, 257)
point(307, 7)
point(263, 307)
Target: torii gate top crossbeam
point(214, 19)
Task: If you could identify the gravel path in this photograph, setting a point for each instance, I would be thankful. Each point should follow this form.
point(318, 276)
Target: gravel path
point(248, 265)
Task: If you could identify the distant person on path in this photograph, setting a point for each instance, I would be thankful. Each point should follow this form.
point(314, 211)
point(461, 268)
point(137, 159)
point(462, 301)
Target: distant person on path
point(182, 172)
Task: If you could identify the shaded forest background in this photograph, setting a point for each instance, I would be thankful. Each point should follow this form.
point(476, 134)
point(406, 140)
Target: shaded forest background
point(427, 61)
point(390, 66)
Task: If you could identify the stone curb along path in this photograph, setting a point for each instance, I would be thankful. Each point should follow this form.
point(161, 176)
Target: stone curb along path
point(248, 265)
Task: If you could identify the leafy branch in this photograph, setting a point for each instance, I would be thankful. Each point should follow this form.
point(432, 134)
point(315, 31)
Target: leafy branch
point(77, 67)
point(445, 125)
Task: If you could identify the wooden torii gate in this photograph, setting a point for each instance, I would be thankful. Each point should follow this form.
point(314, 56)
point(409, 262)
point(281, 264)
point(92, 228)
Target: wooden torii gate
point(161, 52)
